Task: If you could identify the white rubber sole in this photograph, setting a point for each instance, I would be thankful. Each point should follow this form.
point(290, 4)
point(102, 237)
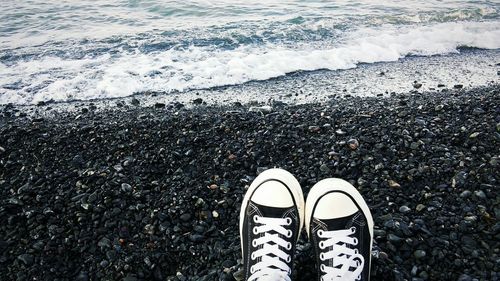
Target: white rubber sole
point(283, 176)
point(334, 184)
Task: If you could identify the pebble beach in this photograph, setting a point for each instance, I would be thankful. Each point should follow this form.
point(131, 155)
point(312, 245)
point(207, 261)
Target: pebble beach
point(153, 193)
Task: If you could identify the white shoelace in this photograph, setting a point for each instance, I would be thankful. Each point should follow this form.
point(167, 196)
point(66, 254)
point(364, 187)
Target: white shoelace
point(343, 258)
point(271, 268)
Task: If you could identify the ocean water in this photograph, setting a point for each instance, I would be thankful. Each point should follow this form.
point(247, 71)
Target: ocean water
point(81, 50)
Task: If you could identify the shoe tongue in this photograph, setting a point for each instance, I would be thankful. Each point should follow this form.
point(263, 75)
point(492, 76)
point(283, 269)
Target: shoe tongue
point(343, 222)
point(271, 212)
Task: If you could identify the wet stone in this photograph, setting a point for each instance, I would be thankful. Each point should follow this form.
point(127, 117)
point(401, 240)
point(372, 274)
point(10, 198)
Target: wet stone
point(125, 187)
point(480, 194)
point(118, 167)
point(418, 254)
point(393, 184)
point(82, 276)
point(394, 238)
point(135, 102)
point(464, 277)
point(404, 209)
point(130, 278)
point(459, 179)
point(157, 216)
point(324, 168)
point(39, 245)
point(465, 194)
point(228, 263)
point(104, 243)
point(420, 207)
point(26, 259)
point(111, 255)
point(199, 228)
point(185, 217)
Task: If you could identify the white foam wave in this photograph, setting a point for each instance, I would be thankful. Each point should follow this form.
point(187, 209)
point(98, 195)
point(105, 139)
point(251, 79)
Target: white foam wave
point(197, 67)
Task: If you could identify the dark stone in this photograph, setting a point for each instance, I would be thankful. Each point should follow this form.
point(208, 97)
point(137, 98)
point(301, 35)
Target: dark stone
point(111, 255)
point(27, 259)
point(82, 276)
point(478, 111)
point(419, 254)
point(125, 191)
point(228, 263)
point(197, 238)
point(104, 243)
point(185, 217)
point(197, 101)
point(130, 278)
point(464, 277)
point(459, 179)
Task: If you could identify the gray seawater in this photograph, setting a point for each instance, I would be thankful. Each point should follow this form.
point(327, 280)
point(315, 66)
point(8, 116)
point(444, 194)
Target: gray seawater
point(81, 50)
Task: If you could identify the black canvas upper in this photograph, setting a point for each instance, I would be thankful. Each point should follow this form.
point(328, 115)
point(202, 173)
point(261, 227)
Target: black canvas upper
point(362, 233)
point(248, 224)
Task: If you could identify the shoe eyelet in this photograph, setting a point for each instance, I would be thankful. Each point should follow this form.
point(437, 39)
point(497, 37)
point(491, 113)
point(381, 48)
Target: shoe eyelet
point(289, 246)
point(353, 229)
point(252, 256)
point(288, 221)
point(288, 258)
point(256, 218)
point(289, 234)
point(254, 243)
point(322, 256)
point(322, 267)
point(255, 230)
point(321, 245)
point(252, 270)
point(355, 241)
point(320, 233)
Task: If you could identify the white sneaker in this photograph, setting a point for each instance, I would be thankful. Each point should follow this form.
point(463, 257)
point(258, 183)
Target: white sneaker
point(340, 227)
point(271, 219)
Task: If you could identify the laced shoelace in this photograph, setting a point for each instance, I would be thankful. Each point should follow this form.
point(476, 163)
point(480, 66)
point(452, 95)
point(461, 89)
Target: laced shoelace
point(343, 259)
point(269, 267)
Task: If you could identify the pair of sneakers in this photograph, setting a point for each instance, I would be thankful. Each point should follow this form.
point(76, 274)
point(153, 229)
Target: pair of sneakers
point(337, 220)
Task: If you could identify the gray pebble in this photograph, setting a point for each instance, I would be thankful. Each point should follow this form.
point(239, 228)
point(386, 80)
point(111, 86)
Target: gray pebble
point(186, 217)
point(126, 187)
point(404, 209)
point(480, 194)
point(27, 259)
point(418, 254)
point(465, 194)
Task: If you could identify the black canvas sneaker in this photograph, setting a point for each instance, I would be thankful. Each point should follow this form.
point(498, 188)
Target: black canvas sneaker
point(340, 228)
point(271, 219)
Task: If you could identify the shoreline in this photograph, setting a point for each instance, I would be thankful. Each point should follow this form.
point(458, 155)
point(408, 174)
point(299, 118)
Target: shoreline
point(409, 74)
point(123, 193)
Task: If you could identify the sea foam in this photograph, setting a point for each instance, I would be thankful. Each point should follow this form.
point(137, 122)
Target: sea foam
point(198, 67)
